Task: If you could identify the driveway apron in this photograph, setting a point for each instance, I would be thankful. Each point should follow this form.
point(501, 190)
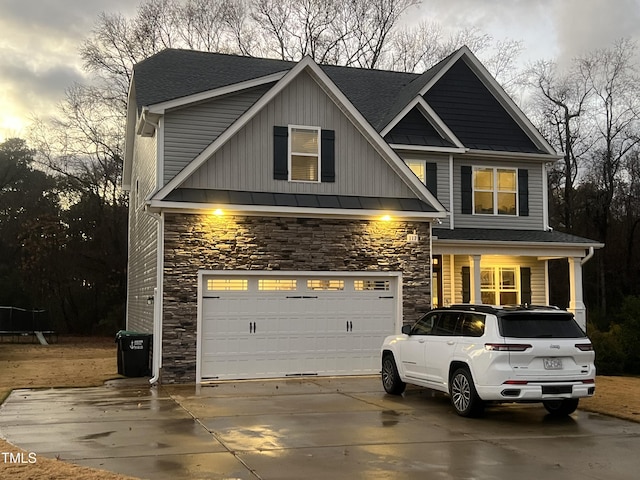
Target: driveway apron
point(311, 428)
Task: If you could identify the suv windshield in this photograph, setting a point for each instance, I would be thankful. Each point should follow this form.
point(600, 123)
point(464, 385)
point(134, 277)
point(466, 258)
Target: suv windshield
point(539, 325)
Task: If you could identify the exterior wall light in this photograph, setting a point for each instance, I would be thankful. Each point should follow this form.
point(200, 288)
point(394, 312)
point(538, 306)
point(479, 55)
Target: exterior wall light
point(386, 218)
point(218, 212)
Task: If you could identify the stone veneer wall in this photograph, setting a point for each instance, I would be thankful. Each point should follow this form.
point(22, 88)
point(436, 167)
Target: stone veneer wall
point(203, 242)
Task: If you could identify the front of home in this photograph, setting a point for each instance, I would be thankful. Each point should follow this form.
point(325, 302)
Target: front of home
point(285, 217)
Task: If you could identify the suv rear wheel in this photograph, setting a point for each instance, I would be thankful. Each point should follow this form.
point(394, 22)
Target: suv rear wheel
point(561, 408)
point(464, 397)
point(390, 377)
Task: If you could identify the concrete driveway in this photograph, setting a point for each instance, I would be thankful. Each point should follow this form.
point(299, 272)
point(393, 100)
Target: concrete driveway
point(311, 428)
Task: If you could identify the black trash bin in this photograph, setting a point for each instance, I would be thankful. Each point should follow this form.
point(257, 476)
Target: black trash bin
point(133, 353)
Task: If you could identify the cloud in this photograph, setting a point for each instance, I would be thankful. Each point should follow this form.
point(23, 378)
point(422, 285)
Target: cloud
point(39, 56)
point(586, 25)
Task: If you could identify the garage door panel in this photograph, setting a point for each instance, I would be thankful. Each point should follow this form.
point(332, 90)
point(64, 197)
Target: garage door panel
point(263, 334)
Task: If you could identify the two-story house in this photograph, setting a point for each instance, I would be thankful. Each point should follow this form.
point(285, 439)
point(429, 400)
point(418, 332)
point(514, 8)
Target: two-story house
point(286, 216)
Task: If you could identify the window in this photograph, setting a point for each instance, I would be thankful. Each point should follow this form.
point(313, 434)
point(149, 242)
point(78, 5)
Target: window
point(305, 154)
point(361, 285)
point(223, 284)
point(495, 191)
point(424, 325)
point(499, 285)
point(447, 324)
point(325, 284)
point(277, 285)
point(419, 167)
point(472, 325)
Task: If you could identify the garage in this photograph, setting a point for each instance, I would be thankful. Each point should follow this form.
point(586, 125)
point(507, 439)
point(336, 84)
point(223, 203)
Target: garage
point(268, 324)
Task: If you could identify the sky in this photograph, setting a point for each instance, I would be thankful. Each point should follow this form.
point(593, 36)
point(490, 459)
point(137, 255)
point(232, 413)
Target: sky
point(39, 39)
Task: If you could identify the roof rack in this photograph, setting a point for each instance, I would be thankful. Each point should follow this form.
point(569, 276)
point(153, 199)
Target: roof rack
point(501, 308)
point(476, 307)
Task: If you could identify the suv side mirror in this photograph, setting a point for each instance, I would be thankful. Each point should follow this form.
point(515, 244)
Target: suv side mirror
point(406, 329)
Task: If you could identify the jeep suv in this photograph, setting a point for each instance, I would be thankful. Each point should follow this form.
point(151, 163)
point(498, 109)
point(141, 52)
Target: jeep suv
point(480, 353)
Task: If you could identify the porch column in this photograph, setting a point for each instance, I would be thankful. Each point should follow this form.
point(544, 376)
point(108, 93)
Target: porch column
point(476, 295)
point(576, 304)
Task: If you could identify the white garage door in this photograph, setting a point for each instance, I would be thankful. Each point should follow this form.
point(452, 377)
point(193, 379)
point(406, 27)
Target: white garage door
point(258, 326)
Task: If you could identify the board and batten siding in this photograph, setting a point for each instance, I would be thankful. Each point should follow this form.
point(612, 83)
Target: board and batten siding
point(538, 275)
point(535, 219)
point(189, 130)
point(245, 162)
point(142, 266)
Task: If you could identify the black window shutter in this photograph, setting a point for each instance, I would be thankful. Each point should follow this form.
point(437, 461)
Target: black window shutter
point(280, 153)
point(523, 192)
point(525, 285)
point(466, 189)
point(328, 160)
point(432, 178)
point(466, 284)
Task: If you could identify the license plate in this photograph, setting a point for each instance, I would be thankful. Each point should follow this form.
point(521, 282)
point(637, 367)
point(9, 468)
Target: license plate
point(552, 363)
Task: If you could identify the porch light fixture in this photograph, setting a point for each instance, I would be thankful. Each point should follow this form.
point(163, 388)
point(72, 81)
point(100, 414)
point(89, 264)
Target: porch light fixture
point(218, 212)
point(386, 218)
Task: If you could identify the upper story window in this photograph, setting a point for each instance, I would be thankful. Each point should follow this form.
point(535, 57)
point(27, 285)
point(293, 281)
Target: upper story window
point(303, 154)
point(426, 173)
point(304, 160)
point(419, 167)
point(495, 191)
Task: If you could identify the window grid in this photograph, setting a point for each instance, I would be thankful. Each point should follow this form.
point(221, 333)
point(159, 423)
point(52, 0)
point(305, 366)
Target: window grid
point(495, 191)
point(277, 285)
point(327, 285)
point(304, 154)
point(225, 285)
point(499, 285)
point(369, 285)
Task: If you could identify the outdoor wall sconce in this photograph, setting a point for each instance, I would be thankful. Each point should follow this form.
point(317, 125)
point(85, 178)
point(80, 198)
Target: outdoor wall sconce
point(150, 300)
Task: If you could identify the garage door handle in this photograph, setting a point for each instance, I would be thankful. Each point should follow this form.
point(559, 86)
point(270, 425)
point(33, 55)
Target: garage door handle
point(349, 326)
point(252, 327)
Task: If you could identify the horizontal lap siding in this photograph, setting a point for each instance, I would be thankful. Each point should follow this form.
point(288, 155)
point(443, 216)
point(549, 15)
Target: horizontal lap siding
point(246, 161)
point(142, 267)
point(534, 221)
point(442, 162)
point(188, 131)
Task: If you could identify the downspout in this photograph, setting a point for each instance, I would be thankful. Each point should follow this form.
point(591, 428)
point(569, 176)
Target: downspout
point(588, 257)
point(156, 361)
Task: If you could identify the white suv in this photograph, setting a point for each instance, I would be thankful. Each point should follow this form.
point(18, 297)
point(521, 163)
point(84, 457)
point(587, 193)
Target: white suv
point(479, 353)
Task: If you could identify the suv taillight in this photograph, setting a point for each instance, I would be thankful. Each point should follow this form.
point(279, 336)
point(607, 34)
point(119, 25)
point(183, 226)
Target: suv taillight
point(507, 347)
point(585, 347)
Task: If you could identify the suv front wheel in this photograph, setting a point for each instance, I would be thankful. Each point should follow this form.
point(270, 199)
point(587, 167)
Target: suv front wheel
point(391, 380)
point(464, 397)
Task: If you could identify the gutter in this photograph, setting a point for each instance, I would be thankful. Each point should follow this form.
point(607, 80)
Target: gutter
point(588, 257)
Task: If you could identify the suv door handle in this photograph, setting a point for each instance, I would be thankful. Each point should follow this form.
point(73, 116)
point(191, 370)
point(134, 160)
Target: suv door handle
point(451, 342)
point(421, 340)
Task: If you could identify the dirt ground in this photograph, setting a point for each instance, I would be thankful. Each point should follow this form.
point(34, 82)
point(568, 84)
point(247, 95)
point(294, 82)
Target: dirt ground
point(75, 362)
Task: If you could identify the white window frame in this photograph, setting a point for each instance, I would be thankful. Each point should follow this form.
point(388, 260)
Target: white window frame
point(423, 163)
point(495, 191)
point(290, 152)
point(497, 279)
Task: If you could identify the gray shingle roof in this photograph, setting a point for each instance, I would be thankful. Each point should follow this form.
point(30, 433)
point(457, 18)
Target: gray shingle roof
point(499, 235)
point(234, 197)
point(470, 111)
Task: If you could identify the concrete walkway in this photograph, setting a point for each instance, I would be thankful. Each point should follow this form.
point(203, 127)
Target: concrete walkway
point(310, 428)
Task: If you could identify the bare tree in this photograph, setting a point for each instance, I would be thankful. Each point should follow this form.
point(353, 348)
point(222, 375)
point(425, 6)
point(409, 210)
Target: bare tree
point(562, 100)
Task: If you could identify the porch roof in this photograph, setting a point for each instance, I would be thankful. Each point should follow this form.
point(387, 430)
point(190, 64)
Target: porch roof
point(503, 235)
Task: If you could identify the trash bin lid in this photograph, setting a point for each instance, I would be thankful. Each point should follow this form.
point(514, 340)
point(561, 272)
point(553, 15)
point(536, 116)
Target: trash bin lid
point(130, 333)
